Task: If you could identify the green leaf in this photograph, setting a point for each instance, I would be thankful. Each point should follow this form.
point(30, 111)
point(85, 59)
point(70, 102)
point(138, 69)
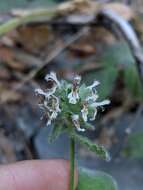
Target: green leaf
point(98, 149)
point(84, 92)
point(133, 82)
point(134, 147)
point(106, 77)
point(117, 54)
point(89, 180)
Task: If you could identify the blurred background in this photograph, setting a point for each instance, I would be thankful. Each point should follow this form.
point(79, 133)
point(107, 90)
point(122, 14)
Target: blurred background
point(85, 39)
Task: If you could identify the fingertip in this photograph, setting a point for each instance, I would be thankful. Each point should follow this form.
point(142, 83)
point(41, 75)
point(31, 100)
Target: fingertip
point(38, 174)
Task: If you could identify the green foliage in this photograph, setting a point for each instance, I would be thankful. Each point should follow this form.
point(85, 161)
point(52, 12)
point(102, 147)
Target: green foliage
point(106, 76)
point(133, 83)
point(114, 59)
point(117, 54)
point(89, 180)
point(98, 149)
point(119, 57)
point(134, 147)
point(84, 92)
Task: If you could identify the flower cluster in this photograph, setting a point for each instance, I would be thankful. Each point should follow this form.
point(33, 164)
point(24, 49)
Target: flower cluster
point(78, 103)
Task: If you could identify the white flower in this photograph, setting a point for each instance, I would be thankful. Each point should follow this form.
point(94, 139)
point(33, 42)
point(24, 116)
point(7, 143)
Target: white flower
point(77, 79)
point(94, 105)
point(49, 122)
point(40, 92)
point(94, 115)
point(103, 103)
point(94, 96)
point(95, 83)
point(50, 103)
point(54, 109)
point(53, 83)
point(73, 96)
point(84, 112)
point(52, 76)
point(75, 120)
point(51, 107)
point(52, 117)
point(57, 104)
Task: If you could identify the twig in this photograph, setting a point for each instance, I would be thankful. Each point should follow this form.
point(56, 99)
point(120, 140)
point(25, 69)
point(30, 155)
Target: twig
point(34, 16)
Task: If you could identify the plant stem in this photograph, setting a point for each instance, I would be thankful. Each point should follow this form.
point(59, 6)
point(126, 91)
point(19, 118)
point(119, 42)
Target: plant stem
point(31, 16)
point(72, 160)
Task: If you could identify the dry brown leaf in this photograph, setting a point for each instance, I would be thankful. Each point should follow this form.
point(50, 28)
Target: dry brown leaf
point(32, 38)
point(8, 57)
point(79, 6)
point(82, 49)
point(8, 95)
point(123, 10)
point(89, 7)
point(102, 35)
point(4, 74)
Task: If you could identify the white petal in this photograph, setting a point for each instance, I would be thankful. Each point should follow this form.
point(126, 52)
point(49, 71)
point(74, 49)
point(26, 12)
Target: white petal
point(73, 98)
point(40, 92)
point(95, 83)
point(80, 129)
point(84, 116)
point(94, 97)
point(94, 115)
point(104, 102)
point(52, 76)
point(49, 122)
point(75, 120)
point(77, 79)
point(84, 112)
point(75, 117)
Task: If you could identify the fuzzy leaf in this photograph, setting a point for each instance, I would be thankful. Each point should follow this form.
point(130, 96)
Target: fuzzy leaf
point(89, 180)
point(84, 92)
point(98, 149)
point(86, 125)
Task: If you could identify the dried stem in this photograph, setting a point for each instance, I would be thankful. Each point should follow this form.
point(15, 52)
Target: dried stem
point(33, 16)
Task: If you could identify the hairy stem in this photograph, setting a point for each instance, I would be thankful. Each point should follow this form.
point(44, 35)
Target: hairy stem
point(72, 160)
